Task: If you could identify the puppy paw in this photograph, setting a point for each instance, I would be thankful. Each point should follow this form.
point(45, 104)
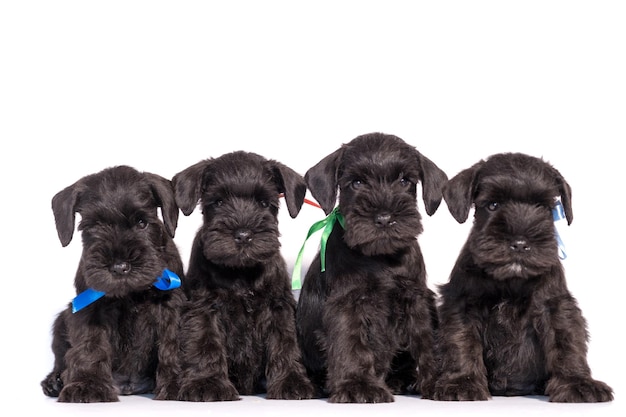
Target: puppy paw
point(87, 392)
point(578, 390)
point(459, 389)
point(361, 391)
point(52, 385)
point(166, 393)
point(209, 389)
point(294, 387)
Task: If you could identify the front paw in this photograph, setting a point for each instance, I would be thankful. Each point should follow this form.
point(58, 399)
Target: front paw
point(294, 386)
point(578, 390)
point(52, 385)
point(361, 391)
point(208, 389)
point(87, 392)
point(463, 388)
point(167, 392)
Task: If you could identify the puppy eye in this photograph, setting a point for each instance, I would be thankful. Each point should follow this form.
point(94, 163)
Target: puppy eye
point(356, 183)
point(493, 206)
point(405, 182)
point(264, 203)
point(217, 203)
point(141, 224)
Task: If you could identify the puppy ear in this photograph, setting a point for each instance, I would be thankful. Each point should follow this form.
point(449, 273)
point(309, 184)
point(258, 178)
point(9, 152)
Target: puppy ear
point(188, 186)
point(164, 194)
point(433, 180)
point(321, 179)
point(459, 191)
point(566, 197)
point(64, 209)
point(291, 184)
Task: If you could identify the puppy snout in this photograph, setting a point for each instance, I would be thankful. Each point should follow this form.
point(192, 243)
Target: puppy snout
point(520, 245)
point(383, 220)
point(243, 236)
point(120, 268)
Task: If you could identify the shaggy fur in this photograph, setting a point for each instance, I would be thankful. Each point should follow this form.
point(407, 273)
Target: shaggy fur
point(508, 324)
point(238, 336)
point(124, 343)
point(366, 325)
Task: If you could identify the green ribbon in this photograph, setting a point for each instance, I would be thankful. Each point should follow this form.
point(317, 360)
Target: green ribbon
point(327, 224)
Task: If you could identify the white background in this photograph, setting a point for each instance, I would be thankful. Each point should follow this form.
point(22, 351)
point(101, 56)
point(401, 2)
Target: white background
point(160, 85)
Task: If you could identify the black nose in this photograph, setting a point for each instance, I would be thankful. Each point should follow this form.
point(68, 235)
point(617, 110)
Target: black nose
point(243, 236)
point(383, 220)
point(520, 246)
point(120, 268)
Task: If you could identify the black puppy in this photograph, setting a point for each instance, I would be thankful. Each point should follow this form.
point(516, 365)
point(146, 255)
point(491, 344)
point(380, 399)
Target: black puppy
point(508, 324)
point(238, 336)
point(366, 323)
point(119, 336)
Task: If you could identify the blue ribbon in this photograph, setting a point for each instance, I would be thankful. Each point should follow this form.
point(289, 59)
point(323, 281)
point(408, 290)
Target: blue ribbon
point(327, 224)
point(167, 281)
point(558, 213)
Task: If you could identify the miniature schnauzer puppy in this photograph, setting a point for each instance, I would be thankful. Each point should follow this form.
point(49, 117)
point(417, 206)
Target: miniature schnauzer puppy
point(119, 336)
point(238, 334)
point(508, 324)
point(366, 320)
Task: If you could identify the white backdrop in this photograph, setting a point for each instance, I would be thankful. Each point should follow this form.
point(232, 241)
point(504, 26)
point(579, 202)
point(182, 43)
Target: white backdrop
point(160, 85)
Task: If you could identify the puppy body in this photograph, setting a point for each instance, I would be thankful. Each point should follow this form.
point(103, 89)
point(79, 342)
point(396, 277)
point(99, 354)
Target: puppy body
point(368, 321)
point(125, 342)
point(238, 334)
point(508, 324)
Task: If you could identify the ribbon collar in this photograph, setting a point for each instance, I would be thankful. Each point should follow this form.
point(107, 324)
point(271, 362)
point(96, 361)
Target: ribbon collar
point(167, 281)
point(327, 224)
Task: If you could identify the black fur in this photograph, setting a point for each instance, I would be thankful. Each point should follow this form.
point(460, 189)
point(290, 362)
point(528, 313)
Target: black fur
point(508, 324)
point(366, 325)
point(124, 343)
point(238, 335)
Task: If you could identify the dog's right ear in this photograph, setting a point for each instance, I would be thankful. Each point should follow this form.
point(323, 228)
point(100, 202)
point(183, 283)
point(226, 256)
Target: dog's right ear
point(321, 179)
point(459, 192)
point(163, 192)
point(64, 209)
point(188, 186)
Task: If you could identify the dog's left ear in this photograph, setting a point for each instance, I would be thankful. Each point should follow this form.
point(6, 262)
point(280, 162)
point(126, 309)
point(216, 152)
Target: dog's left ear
point(459, 192)
point(566, 196)
point(322, 180)
point(164, 195)
point(291, 184)
point(433, 181)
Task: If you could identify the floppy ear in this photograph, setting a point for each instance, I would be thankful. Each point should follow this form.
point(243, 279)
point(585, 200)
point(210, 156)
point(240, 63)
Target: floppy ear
point(566, 197)
point(164, 194)
point(433, 180)
point(187, 186)
point(459, 191)
point(321, 179)
point(291, 184)
point(64, 209)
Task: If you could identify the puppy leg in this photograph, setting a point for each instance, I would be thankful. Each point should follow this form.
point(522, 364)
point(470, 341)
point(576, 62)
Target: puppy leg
point(87, 378)
point(422, 327)
point(565, 343)
point(169, 353)
point(463, 373)
point(286, 375)
point(53, 384)
point(205, 370)
point(358, 352)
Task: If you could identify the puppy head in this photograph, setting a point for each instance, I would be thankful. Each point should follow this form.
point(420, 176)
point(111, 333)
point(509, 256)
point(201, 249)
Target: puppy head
point(376, 176)
point(120, 227)
point(239, 194)
point(513, 196)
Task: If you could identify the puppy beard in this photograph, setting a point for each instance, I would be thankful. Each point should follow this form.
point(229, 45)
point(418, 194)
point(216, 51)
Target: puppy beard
point(364, 233)
point(119, 266)
point(514, 246)
point(221, 246)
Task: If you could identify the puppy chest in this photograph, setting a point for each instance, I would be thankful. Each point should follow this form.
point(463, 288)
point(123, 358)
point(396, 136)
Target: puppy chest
point(511, 349)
